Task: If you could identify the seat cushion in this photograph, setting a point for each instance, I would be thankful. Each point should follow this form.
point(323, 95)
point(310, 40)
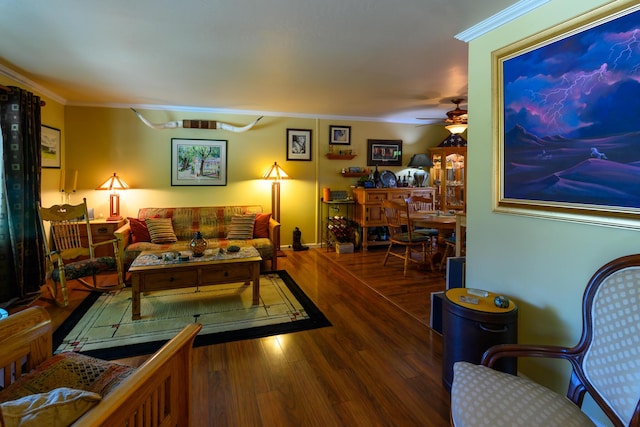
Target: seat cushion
point(70, 370)
point(482, 396)
point(85, 268)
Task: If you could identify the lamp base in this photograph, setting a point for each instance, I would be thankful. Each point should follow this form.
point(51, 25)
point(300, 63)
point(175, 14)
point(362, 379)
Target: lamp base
point(114, 218)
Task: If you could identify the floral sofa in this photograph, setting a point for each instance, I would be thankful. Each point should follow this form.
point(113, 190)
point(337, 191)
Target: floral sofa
point(171, 229)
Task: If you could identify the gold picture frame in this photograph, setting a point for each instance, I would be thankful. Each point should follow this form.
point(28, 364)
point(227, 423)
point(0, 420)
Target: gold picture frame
point(561, 151)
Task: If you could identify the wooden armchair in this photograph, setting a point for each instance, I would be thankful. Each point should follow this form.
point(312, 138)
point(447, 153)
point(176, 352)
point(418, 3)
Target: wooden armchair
point(605, 362)
point(72, 255)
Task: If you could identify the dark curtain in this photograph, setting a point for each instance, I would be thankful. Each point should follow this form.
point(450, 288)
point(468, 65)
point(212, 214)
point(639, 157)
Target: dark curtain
point(22, 264)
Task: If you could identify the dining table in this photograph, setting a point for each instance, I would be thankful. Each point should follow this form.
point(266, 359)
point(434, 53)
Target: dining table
point(442, 222)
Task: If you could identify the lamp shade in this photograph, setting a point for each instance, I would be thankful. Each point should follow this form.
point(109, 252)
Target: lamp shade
point(276, 173)
point(420, 160)
point(113, 183)
point(457, 128)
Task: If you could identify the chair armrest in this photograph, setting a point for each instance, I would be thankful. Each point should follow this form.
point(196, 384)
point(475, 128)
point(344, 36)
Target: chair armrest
point(274, 236)
point(491, 356)
point(160, 387)
point(26, 333)
point(123, 236)
point(106, 242)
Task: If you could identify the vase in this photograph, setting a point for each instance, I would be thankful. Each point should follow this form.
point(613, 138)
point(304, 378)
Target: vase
point(198, 244)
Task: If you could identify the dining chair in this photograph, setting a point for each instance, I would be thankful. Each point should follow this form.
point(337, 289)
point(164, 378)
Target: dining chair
point(401, 233)
point(605, 364)
point(71, 255)
point(422, 204)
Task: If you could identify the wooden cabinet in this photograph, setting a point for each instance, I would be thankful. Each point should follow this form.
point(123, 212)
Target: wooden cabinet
point(101, 231)
point(448, 177)
point(369, 213)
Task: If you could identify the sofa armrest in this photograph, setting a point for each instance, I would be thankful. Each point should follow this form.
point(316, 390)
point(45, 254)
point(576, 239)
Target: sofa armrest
point(25, 333)
point(274, 236)
point(123, 236)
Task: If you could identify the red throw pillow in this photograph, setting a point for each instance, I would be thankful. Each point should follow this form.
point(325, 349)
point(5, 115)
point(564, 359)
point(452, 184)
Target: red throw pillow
point(139, 230)
point(261, 225)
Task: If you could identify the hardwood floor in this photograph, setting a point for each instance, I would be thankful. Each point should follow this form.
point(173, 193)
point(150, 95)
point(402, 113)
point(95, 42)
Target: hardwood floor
point(378, 365)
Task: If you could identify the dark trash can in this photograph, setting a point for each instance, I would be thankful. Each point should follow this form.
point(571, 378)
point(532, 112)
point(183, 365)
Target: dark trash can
point(468, 330)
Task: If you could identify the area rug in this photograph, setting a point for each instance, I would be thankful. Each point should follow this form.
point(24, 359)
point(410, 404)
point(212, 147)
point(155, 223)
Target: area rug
point(102, 327)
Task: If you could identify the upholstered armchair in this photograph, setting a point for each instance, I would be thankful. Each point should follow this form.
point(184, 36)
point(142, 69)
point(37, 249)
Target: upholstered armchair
point(605, 362)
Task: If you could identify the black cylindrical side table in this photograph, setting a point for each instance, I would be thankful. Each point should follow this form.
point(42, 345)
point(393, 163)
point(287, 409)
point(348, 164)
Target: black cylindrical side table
point(468, 330)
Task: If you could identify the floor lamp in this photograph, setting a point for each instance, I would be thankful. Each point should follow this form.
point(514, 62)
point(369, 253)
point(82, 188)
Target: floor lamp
point(275, 174)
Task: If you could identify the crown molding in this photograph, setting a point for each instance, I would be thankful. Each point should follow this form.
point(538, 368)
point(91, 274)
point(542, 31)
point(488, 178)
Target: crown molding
point(507, 15)
point(30, 84)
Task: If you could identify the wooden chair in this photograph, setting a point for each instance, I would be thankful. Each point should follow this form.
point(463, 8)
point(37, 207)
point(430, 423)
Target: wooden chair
point(605, 362)
point(401, 233)
point(422, 204)
point(72, 255)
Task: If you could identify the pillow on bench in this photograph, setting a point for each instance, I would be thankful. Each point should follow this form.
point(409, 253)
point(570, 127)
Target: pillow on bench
point(58, 407)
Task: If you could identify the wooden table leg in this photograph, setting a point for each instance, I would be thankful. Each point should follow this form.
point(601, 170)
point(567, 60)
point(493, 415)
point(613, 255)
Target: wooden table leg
point(256, 283)
point(135, 296)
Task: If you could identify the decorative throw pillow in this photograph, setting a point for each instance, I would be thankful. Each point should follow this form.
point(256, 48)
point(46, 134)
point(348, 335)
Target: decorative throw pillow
point(59, 407)
point(161, 230)
point(241, 227)
point(261, 225)
point(139, 230)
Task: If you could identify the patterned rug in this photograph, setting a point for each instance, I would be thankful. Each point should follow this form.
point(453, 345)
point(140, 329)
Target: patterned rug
point(102, 327)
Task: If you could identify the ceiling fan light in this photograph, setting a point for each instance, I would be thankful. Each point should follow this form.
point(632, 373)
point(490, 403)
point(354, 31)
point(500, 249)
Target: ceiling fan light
point(457, 128)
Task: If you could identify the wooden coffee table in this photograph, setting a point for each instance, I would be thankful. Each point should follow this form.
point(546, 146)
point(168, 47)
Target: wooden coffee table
point(149, 272)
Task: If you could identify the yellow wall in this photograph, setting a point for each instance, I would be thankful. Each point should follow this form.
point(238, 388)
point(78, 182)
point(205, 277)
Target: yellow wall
point(542, 264)
point(100, 141)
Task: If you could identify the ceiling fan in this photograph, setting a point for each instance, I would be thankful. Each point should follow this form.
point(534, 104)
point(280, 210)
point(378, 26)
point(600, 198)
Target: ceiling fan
point(456, 119)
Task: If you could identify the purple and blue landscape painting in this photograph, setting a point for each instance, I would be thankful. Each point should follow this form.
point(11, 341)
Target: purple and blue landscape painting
point(572, 118)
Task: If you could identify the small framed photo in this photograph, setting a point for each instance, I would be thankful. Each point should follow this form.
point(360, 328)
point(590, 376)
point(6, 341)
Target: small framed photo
point(339, 135)
point(50, 147)
point(384, 152)
point(198, 162)
point(298, 144)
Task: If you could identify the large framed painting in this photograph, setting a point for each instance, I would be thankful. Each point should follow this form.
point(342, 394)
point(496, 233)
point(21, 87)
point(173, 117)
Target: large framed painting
point(384, 152)
point(198, 162)
point(568, 142)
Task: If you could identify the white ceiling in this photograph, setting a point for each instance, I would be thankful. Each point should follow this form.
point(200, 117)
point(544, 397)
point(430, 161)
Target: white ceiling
point(388, 60)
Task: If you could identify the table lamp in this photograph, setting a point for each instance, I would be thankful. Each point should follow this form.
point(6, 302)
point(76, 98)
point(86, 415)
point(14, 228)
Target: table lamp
point(113, 184)
point(419, 161)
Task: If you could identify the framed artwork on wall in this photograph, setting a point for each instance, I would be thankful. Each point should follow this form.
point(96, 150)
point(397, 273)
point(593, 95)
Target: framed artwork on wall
point(339, 135)
point(50, 147)
point(298, 144)
point(384, 152)
point(568, 143)
point(198, 162)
